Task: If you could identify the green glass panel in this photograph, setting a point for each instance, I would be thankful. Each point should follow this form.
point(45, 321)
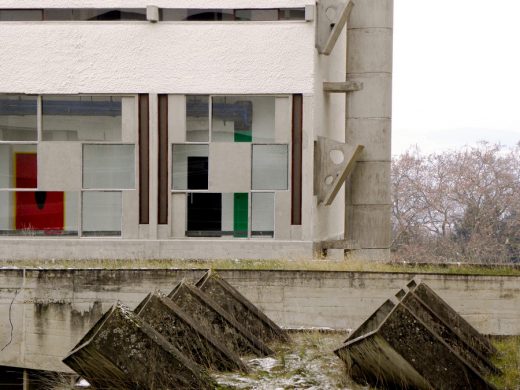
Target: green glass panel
point(243, 136)
point(240, 211)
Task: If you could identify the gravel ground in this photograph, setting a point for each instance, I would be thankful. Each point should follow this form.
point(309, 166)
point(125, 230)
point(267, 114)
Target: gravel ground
point(306, 363)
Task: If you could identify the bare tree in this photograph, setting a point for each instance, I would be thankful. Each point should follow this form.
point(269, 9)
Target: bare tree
point(458, 205)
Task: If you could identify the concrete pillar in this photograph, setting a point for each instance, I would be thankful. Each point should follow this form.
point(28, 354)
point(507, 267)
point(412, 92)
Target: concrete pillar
point(369, 61)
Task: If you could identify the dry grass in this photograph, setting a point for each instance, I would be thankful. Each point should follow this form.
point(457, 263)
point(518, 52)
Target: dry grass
point(508, 360)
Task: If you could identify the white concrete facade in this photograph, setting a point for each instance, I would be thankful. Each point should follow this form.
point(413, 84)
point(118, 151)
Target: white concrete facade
point(239, 59)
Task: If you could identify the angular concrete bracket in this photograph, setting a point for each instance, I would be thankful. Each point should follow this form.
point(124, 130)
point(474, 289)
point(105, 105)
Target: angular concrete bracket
point(333, 162)
point(342, 86)
point(332, 15)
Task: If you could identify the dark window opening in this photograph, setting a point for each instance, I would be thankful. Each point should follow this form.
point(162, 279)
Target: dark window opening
point(197, 173)
point(103, 14)
point(204, 215)
point(139, 14)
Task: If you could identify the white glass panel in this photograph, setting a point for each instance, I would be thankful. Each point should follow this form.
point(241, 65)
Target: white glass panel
point(101, 213)
point(262, 214)
point(18, 166)
point(108, 166)
point(18, 118)
point(81, 118)
point(190, 167)
point(243, 119)
point(269, 167)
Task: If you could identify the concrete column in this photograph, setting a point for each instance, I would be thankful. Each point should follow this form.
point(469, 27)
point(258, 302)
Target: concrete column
point(369, 61)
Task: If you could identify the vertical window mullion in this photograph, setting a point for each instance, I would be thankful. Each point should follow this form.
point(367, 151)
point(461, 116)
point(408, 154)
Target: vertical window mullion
point(163, 191)
point(296, 177)
point(144, 159)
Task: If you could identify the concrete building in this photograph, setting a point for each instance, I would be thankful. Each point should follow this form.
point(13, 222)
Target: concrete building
point(215, 129)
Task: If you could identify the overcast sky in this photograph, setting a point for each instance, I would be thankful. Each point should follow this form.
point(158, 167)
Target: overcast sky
point(456, 73)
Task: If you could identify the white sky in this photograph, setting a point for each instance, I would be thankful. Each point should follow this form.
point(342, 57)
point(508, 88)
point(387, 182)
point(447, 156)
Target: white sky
point(456, 73)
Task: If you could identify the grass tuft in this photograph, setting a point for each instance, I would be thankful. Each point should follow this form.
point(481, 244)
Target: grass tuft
point(289, 265)
point(508, 360)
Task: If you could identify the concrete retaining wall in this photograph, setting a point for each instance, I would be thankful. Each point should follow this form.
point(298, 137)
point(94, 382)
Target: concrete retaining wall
point(53, 309)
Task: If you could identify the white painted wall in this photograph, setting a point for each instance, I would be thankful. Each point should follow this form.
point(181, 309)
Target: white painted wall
point(173, 57)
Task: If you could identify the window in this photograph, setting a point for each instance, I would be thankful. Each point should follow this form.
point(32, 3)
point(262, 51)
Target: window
point(269, 167)
point(217, 214)
point(139, 14)
point(190, 167)
point(82, 118)
point(231, 119)
point(197, 118)
point(18, 118)
point(91, 198)
point(108, 166)
point(242, 119)
point(101, 212)
point(262, 214)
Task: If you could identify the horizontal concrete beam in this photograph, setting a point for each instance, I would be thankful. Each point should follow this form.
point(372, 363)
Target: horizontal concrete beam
point(342, 87)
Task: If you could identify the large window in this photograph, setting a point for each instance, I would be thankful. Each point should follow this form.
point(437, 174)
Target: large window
point(233, 120)
point(88, 198)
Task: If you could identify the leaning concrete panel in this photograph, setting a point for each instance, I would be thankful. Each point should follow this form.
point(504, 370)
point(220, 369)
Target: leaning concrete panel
point(428, 316)
point(59, 166)
point(123, 351)
point(240, 308)
point(454, 320)
point(404, 352)
point(203, 309)
point(185, 334)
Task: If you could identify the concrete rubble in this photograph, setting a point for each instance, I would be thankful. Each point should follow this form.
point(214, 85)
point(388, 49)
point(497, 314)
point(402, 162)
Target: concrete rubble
point(170, 342)
point(416, 340)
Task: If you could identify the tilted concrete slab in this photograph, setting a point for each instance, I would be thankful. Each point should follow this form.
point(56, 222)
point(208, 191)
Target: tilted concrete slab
point(206, 311)
point(460, 345)
point(453, 319)
point(123, 352)
point(240, 308)
point(403, 352)
point(185, 334)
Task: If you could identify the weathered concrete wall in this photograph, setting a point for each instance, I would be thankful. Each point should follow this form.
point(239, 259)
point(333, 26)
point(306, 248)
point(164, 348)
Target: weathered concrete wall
point(53, 309)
